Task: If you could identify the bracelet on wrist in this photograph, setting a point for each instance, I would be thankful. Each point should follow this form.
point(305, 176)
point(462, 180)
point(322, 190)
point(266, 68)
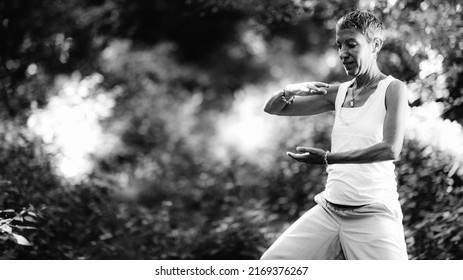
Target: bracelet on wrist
point(325, 158)
point(283, 97)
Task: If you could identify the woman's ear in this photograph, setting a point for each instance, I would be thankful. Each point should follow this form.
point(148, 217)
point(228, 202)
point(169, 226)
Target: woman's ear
point(377, 45)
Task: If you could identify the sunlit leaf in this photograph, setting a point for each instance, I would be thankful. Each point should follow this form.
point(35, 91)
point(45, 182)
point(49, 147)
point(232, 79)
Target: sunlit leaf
point(24, 227)
point(19, 218)
point(456, 238)
point(30, 219)
point(6, 229)
point(21, 240)
point(32, 214)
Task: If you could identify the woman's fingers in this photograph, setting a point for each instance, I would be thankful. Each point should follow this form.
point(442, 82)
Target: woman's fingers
point(320, 84)
point(305, 89)
point(299, 157)
point(317, 91)
point(304, 149)
point(317, 87)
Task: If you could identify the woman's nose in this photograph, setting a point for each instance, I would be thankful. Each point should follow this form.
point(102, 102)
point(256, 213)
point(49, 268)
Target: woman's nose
point(343, 53)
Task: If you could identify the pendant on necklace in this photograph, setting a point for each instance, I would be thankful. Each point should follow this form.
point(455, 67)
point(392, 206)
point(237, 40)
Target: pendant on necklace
point(352, 103)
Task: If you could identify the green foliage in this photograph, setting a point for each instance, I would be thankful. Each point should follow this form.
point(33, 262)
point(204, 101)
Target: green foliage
point(43, 39)
point(431, 194)
point(430, 25)
point(12, 224)
point(240, 236)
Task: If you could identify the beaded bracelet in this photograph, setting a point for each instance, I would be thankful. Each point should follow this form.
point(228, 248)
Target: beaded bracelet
point(325, 158)
point(283, 97)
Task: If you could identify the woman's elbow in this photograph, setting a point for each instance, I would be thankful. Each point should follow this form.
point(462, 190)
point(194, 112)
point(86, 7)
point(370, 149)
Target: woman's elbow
point(392, 152)
point(269, 110)
point(396, 155)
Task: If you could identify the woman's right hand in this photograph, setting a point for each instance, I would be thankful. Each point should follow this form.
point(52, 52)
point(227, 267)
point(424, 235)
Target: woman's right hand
point(306, 89)
point(302, 99)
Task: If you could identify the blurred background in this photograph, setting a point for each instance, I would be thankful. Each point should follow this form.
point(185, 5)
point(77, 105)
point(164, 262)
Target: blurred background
point(137, 129)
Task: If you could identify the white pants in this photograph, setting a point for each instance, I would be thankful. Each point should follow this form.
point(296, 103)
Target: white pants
point(371, 232)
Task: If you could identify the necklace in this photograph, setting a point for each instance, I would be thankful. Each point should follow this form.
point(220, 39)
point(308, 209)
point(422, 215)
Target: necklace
point(352, 102)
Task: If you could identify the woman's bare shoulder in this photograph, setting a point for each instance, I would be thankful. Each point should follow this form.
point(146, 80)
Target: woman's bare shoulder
point(397, 88)
point(396, 93)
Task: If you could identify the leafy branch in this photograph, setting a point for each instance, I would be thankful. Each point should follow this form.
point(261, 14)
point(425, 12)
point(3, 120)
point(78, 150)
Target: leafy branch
point(11, 222)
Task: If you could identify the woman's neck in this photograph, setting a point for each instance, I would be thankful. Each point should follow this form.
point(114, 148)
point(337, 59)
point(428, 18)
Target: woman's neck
point(367, 77)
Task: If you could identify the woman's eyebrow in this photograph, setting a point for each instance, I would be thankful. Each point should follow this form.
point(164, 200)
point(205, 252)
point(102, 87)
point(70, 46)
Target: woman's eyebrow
point(348, 40)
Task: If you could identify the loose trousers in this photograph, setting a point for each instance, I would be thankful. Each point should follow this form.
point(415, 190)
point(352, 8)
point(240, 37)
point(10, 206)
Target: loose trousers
point(370, 232)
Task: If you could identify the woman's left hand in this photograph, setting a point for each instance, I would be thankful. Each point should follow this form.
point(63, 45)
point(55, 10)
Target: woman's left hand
point(308, 155)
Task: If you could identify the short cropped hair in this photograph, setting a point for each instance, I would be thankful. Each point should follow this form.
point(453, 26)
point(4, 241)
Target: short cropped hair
point(363, 21)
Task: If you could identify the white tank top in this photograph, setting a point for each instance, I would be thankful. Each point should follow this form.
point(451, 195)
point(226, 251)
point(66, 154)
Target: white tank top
point(358, 128)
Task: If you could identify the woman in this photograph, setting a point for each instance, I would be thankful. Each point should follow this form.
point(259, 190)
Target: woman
point(358, 213)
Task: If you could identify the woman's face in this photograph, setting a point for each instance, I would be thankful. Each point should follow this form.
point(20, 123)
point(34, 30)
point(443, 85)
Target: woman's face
point(356, 53)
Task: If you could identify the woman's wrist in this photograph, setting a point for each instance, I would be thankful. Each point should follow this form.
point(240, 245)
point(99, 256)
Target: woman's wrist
point(330, 158)
point(325, 158)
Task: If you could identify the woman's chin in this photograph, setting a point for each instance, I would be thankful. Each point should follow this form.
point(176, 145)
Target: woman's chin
point(351, 72)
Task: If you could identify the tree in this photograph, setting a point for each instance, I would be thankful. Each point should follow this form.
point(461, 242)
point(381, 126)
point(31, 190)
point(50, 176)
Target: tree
point(178, 70)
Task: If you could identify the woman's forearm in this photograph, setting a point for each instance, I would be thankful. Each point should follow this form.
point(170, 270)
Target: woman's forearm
point(378, 152)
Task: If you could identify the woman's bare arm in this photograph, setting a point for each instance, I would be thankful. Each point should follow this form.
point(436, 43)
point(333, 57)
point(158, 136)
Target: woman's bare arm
point(310, 99)
point(393, 135)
